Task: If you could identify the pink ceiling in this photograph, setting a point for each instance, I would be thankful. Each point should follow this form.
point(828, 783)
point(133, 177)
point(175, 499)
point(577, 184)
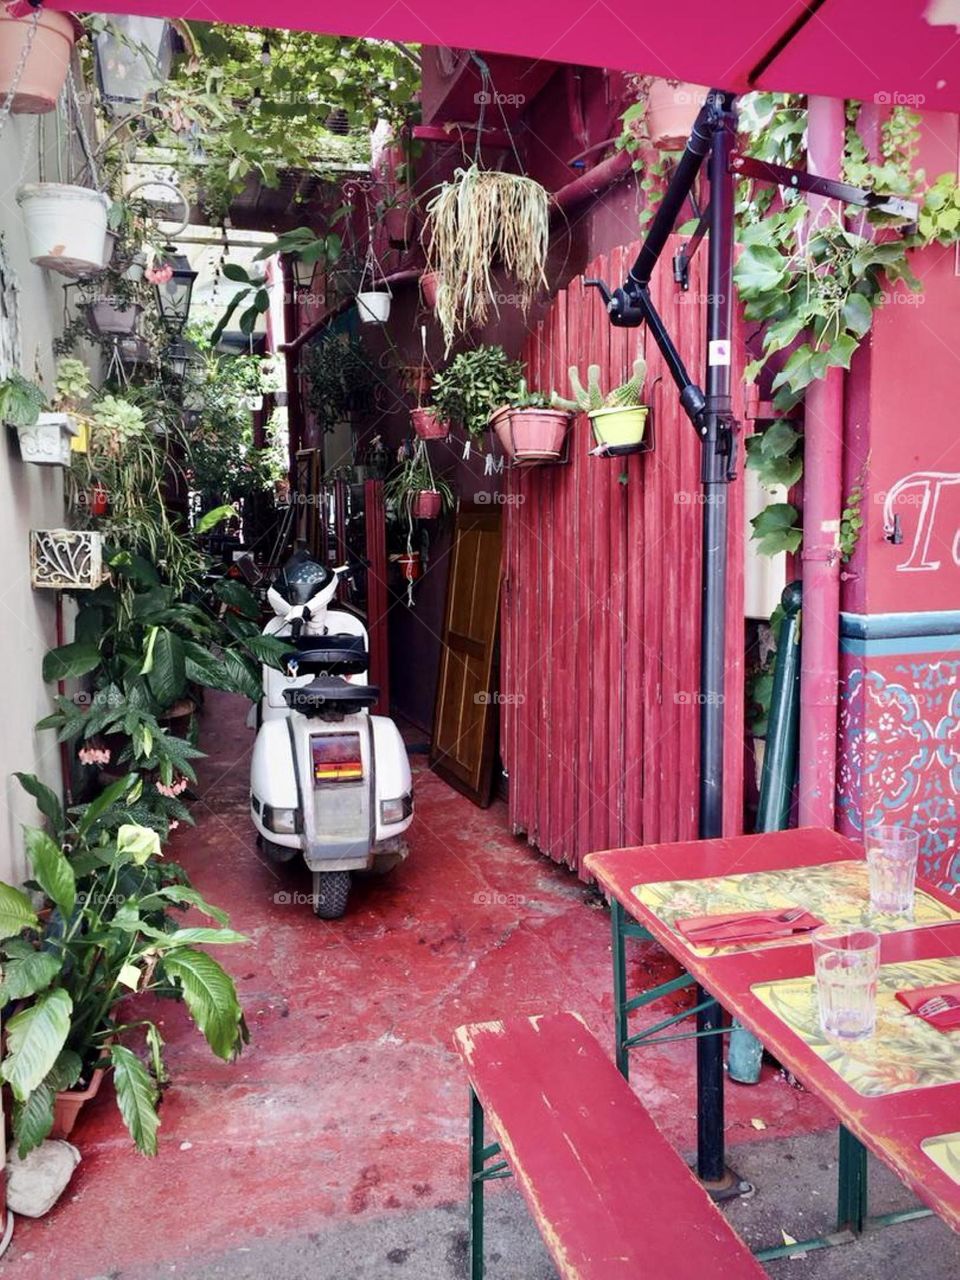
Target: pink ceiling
point(906, 49)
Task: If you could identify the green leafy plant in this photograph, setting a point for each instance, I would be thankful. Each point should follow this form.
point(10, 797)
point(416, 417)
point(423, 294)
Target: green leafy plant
point(590, 398)
point(340, 378)
point(414, 476)
point(473, 385)
point(72, 386)
point(21, 401)
point(77, 975)
point(851, 519)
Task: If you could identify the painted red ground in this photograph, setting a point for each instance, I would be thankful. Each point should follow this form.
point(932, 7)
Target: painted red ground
point(349, 1099)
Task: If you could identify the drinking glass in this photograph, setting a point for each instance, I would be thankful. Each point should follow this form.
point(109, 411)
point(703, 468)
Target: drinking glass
point(892, 867)
point(846, 965)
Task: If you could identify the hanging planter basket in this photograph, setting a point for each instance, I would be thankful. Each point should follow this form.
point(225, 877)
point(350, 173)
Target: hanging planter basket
point(66, 559)
point(428, 425)
point(531, 435)
point(619, 430)
point(110, 317)
point(672, 107)
point(374, 305)
point(48, 441)
point(411, 566)
point(66, 226)
point(45, 69)
point(427, 505)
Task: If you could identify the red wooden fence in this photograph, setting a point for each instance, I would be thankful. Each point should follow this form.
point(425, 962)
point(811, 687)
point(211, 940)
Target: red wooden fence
point(601, 602)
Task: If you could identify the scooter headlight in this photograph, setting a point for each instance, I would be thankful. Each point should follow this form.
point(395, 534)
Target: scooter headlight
point(396, 810)
point(285, 822)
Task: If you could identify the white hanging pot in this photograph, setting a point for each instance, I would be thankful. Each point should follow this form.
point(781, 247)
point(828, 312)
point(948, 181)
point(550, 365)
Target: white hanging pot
point(66, 226)
point(374, 306)
point(47, 441)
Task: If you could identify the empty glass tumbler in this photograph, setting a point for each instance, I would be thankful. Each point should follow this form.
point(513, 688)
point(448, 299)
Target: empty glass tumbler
point(846, 965)
point(892, 867)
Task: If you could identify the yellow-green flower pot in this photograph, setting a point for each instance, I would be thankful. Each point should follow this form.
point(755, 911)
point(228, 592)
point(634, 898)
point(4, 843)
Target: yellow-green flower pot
point(619, 428)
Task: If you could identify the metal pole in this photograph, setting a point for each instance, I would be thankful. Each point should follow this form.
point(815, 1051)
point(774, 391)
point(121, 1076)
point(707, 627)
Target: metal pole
point(717, 460)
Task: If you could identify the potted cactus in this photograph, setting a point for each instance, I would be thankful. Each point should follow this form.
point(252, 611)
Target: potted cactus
point(618, 418)
point(529, 427)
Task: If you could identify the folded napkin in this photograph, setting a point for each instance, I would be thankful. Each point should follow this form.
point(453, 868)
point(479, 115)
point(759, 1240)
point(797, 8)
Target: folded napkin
point(746, 926)
point(945, 1016)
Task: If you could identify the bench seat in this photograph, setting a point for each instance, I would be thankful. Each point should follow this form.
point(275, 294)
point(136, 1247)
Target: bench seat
point(610, 1196)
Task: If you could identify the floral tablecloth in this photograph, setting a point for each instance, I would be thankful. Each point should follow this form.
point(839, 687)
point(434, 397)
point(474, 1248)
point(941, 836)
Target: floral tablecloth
point(836, 892)
point(944, 1151)
point(904, 1053)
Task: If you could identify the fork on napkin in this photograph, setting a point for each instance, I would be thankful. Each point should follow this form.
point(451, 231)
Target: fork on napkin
point(940, 1005)
point(746, 926)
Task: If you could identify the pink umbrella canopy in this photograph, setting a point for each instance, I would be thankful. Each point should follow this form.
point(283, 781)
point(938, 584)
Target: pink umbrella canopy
point(886, 51)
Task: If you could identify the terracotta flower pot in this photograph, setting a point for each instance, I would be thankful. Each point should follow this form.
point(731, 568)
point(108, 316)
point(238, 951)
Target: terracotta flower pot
point(672, 107)
point(68, 1104)
point(429, 284)
point(428, 426)
point(531, 435)
point(427, 505)
point(46, 66)
point(410, 566)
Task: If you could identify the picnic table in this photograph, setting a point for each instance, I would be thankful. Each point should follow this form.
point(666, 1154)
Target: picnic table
point(896, 1094)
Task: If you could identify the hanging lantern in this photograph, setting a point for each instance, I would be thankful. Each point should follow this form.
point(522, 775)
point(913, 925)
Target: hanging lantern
point(133, 57)
point(174, 292)
point(177, 357)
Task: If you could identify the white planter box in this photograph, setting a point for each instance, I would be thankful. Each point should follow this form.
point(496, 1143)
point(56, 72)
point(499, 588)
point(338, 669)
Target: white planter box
point(66, 559)
point(48, 440)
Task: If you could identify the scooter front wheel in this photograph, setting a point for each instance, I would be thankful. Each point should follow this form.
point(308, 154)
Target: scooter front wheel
point(331, 889)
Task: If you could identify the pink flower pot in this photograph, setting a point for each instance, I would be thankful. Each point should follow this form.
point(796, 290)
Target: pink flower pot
point(46, 67)
point(672, 107)
point(428, 426)
point(531, 435)
point(410, 566)
point(429, 284)
point(427, 505)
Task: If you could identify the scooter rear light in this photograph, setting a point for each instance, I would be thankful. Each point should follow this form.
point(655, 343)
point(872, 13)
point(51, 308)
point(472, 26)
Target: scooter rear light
point(284, 822)
point(337, 758)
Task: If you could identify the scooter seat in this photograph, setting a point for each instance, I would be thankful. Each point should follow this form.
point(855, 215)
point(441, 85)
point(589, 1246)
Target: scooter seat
point(340, 655)
point(331, 698)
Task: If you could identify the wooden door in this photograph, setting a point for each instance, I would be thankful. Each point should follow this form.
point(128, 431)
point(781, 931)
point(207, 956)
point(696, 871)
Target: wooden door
point(465, 715)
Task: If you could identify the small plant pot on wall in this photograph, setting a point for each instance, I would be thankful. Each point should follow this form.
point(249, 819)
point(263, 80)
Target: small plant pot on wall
point(374, 306)
point(427, 504)
point(531, 435)
point(66, 559)
point(66, 226)
point(672, 107)
point(428, 425)
point(619, 430)
point(45, 69)
point(48, 440)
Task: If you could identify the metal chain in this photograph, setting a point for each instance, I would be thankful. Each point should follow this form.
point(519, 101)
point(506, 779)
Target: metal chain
point(11, 93)
point(82, 127)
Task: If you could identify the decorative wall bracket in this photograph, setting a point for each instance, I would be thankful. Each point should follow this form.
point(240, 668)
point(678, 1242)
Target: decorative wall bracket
point(66, 559)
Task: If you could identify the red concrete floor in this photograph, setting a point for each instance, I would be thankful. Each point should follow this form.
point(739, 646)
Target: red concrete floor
point(349, 1100)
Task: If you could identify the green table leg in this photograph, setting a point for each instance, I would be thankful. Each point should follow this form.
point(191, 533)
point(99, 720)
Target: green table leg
point(852, 1183)
point(476, 1187)
point(621, 1029)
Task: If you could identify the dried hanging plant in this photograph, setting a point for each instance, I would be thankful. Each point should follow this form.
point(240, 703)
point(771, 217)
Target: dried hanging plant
point(477, 219)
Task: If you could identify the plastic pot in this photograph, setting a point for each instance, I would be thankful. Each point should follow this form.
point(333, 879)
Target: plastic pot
point(410, 566)
point(531, 435)
point(619, 429)
point(427, 505)
point(66, 226)
point(99, 500)
point(68, 1104)
point(429, 285)
point(374, 306)
point(46, 68)
point(672, 107)
point(428, 426)
point(111, 317)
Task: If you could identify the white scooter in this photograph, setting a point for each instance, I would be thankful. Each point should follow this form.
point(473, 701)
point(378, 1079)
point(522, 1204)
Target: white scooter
point(328, 779)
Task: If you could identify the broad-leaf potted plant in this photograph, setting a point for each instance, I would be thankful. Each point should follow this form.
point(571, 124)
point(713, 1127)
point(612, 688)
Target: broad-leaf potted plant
point(618, 418)
point(529, 427)
point(74, 972)
point(474, 385)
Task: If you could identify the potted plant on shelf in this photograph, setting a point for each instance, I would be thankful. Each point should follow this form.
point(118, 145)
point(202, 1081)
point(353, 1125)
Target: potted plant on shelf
point(618, 418)
point(45, 39)
point(76, 973)
point(20, 404)
point(529, 427)
point(474, 385)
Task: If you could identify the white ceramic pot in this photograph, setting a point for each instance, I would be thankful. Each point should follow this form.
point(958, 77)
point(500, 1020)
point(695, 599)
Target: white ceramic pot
point(48, 440)
point(374, 306)
point(66, 226)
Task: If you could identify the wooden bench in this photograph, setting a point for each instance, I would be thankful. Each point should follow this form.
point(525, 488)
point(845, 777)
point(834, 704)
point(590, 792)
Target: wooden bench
point(610, 1196)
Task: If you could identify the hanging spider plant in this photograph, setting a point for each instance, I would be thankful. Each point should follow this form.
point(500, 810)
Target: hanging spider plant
point(479, 218)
